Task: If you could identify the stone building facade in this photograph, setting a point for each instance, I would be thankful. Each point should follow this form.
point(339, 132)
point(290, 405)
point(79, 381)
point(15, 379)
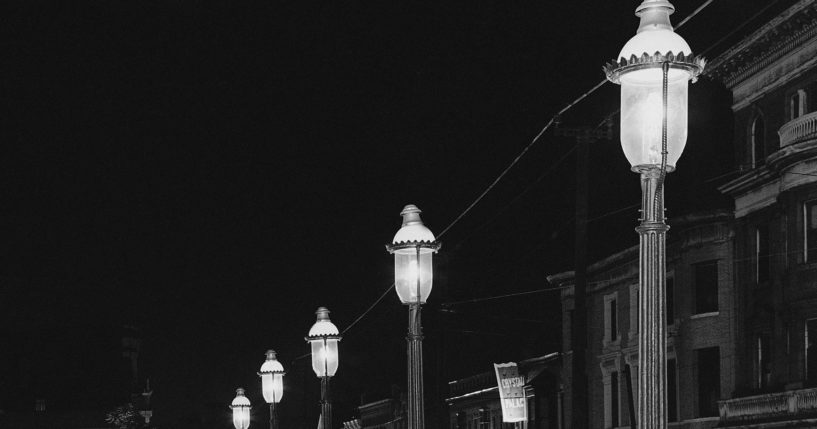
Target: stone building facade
point(742, 283)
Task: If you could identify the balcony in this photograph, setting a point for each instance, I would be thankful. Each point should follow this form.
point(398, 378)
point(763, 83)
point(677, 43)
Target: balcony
point(798, 130)
point(790, 406)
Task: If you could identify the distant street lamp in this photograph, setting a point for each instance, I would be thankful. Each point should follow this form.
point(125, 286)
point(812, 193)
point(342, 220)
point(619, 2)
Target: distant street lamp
point(653, 69)
point(324, 337)
point(412, 247)
point(272, 385)
point(241, 410)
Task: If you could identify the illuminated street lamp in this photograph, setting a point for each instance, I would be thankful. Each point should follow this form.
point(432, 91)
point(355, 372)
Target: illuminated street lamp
point(413, 246)
point(241, 410)
point(324, 337)
point(653, 69)
point(272, 385)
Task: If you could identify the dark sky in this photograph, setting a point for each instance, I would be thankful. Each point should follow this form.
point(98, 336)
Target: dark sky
point(214, 172)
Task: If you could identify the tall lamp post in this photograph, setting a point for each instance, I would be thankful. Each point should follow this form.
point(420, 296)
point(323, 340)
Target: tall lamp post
point(412, 247)
point(324, 337)
point(653, 69)
point(241, 410)
point(272, 385)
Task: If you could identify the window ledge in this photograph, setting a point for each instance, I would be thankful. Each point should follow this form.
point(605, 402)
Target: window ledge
point(702, 315)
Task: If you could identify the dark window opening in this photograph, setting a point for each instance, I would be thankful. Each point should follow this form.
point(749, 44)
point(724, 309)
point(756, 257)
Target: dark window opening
point(614, 399)
point(811, 352)
point(810, 230)
point(706, 287)
point(670, 292)
point(763, 258)
point(672, 391)
point(763, 362)
point(709, 381)
point(758, 140)
point(613, 319)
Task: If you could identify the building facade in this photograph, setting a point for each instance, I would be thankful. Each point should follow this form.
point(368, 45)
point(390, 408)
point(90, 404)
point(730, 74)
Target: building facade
point(700, 321)
point(742, 283)
point(772, 75)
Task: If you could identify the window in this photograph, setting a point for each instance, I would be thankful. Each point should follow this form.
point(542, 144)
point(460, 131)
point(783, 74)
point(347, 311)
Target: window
point(809, 230)
point(670, 298)
point(672, 391)
point(614, 400)
point(484, 418)
point(706, 287)
point(758, 141)
point(633, 331)
point(709, 381)
point(763, 256)
point(811, 352)
point(613, 321)
point(798, 104)
point(762, 360)
point(462, 420)
point(610, 319)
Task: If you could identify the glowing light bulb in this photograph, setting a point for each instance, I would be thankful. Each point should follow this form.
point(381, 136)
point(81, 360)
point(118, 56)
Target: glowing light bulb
point(413, 275)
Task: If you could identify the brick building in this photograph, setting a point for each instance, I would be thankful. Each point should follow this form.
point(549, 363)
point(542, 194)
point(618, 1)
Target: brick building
point(772, 75)
point(742, 283)
point(700, 320)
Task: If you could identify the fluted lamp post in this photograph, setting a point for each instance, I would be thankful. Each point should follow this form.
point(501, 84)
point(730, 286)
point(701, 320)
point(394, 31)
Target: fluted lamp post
point(272, 385)
point(413, 246)
point(323, 338)
point(653, 69)
point(241, 410)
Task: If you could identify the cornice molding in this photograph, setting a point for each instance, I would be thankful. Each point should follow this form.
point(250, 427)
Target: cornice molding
point(774, 40)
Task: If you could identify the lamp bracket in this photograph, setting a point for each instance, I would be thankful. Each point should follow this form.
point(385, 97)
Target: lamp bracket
point(692, 64)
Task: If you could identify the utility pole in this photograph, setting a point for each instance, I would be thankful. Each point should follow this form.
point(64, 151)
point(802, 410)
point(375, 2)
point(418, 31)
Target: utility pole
point(578, 331)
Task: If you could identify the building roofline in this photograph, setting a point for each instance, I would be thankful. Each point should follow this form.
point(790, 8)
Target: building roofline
point(763, 46)
point(689, 220)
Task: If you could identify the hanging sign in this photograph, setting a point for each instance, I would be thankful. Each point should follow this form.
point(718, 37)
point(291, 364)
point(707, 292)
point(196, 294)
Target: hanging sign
point(511, 392)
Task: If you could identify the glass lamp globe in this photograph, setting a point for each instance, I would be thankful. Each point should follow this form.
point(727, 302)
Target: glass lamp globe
point(272, 383)
point(324, 337)
point(241, 410)
point(413, 246)
point(641, 79)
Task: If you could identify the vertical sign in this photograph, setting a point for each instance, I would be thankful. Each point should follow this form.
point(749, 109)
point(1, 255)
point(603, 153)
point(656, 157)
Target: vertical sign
point(511, 392)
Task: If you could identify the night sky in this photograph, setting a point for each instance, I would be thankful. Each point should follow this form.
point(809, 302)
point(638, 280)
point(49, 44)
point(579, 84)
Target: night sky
point(211, 173)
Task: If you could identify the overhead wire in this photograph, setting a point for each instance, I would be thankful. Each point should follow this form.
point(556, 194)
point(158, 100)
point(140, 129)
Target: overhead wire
point(515, 161)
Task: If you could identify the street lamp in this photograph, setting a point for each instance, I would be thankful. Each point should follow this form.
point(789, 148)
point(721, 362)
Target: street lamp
point(653, 69)
point(412, 247)
point(272, 385)
point(241, 410)
point(324, 337)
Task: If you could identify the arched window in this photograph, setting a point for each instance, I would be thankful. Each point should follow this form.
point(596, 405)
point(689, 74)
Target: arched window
point(757, 139)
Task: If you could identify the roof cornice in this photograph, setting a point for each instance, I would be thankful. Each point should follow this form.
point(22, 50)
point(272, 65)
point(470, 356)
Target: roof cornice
point(766, 45)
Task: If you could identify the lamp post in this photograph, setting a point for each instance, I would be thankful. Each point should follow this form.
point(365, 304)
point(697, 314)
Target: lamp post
point(653, 69)
point(272, 385)
point(412, 247)
point(241, 410)
point(324, 337)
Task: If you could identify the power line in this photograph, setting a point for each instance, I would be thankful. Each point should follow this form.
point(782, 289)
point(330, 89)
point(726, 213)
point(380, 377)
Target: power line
point(516, 160)
point(508, 295)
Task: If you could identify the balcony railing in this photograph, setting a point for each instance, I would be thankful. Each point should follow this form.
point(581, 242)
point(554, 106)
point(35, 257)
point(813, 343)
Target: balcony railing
point(783, 406)
point(798, 129)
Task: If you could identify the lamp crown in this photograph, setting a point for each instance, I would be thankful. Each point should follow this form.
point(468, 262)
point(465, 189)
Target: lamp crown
point(239, 391)
point(271, 354)
point(323, 313)
point(411, 215)
point(654, 15)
